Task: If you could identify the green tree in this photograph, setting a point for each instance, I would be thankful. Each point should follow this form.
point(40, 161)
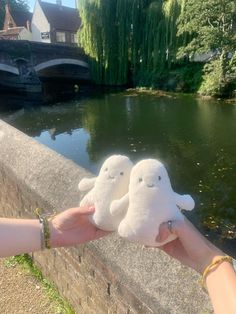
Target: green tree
point(20, 5)
point(105, 38)
point(144, 41)
point(136, 37)
point(209, 26)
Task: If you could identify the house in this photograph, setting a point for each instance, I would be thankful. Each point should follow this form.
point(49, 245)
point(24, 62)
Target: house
point(54, 23)
point(16, 25)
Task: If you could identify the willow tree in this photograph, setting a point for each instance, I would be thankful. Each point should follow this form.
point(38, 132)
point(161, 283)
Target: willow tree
point(172, 10)
point(104, 35)
point(131, 36)
point(154, 38)
point(147, 41)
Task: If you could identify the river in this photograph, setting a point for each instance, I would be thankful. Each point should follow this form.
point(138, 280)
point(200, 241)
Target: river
point(193, 137)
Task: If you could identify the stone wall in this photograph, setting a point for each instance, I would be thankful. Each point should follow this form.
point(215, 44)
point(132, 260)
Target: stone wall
point(104, 276)
point(43, 58)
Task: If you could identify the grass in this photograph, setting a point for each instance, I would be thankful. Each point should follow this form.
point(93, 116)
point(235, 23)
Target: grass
point(25, 261)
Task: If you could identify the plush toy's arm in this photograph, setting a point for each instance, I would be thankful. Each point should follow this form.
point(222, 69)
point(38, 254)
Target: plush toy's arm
point(87, 199)
point(119, 207)
point(184, 201)
point(86, 184)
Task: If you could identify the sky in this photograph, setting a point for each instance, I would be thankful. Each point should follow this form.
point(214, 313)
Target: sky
point(67, 3)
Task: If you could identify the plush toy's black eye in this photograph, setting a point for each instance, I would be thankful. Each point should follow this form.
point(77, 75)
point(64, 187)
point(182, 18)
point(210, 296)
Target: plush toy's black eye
point(159, 178)
point(106, 169)
point(140, 179)
point(121, 173)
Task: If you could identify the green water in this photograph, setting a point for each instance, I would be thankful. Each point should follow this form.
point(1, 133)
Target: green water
point(194, 138)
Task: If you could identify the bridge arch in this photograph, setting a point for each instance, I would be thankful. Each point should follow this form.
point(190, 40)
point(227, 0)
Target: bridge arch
point(61, 61)
point(9, 68)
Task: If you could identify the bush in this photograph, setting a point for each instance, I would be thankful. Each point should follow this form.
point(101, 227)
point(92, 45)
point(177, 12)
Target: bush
point(215, 82)
point(183, 77)
point(190, 75)
point(211, 79)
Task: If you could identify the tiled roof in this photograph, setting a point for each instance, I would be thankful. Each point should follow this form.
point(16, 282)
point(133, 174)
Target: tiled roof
point(11, 31)
point(20, 18)
point(61, 17)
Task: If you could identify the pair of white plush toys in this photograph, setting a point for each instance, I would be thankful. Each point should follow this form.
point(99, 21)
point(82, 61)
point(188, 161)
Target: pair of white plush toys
point(133, 199)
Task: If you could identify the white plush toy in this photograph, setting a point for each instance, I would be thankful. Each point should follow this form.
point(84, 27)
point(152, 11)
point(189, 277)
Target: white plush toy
point(150, 202)
point(111, 184)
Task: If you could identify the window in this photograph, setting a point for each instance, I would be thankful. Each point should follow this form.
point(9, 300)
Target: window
point(61, 37)
point(73, 38)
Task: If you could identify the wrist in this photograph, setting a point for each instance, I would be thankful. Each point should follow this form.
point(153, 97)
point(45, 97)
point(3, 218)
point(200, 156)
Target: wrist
point(54, 235)
point(213, 267)
point(46, 228)
point(210, 257)
point(220, 272)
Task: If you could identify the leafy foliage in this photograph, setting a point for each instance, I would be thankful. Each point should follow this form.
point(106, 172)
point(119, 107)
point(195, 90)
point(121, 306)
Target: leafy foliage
point(210, 25)
point(127, 36)
point(104, 36)
point(140, 41)
point(219, 81)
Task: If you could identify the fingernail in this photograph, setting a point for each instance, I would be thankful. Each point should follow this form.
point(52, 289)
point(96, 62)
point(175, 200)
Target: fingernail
point(92, 208)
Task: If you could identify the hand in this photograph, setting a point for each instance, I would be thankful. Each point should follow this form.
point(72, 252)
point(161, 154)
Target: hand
point(191, 248)
point(72, 227)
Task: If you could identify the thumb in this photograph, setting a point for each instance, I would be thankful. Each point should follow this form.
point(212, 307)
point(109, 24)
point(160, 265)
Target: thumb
point(81, 211)
point(87, 210)
point(164, 231)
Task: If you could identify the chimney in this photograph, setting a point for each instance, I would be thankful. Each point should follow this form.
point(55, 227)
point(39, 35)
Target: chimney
point(59, 2)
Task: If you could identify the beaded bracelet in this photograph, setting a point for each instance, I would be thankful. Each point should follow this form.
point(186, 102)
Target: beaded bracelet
point(45, 231)
point(213, 265)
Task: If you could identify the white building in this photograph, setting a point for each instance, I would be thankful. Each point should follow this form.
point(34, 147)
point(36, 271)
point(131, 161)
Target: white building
point(54, 23)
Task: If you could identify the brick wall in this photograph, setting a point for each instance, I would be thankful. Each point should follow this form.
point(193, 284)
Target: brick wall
point(8, 19)
point(104, 276)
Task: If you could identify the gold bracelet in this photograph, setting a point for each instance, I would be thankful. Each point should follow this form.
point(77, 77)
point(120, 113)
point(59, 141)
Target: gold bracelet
point(45, 231)
point(213, 265)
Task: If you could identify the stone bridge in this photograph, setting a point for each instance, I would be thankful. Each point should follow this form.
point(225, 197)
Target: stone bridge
point(26, 63)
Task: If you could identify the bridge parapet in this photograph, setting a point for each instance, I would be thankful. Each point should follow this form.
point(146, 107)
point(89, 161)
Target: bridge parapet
point(42, 52)
point(41, 57)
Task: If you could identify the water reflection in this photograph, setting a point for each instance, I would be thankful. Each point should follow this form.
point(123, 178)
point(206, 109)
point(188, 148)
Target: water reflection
point(194, 138)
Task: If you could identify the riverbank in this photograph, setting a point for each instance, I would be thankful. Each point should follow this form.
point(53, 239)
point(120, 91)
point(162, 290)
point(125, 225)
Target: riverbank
point(165, 93)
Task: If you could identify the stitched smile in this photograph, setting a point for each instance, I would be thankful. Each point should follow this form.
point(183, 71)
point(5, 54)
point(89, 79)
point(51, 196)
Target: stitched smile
point(150, 185)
